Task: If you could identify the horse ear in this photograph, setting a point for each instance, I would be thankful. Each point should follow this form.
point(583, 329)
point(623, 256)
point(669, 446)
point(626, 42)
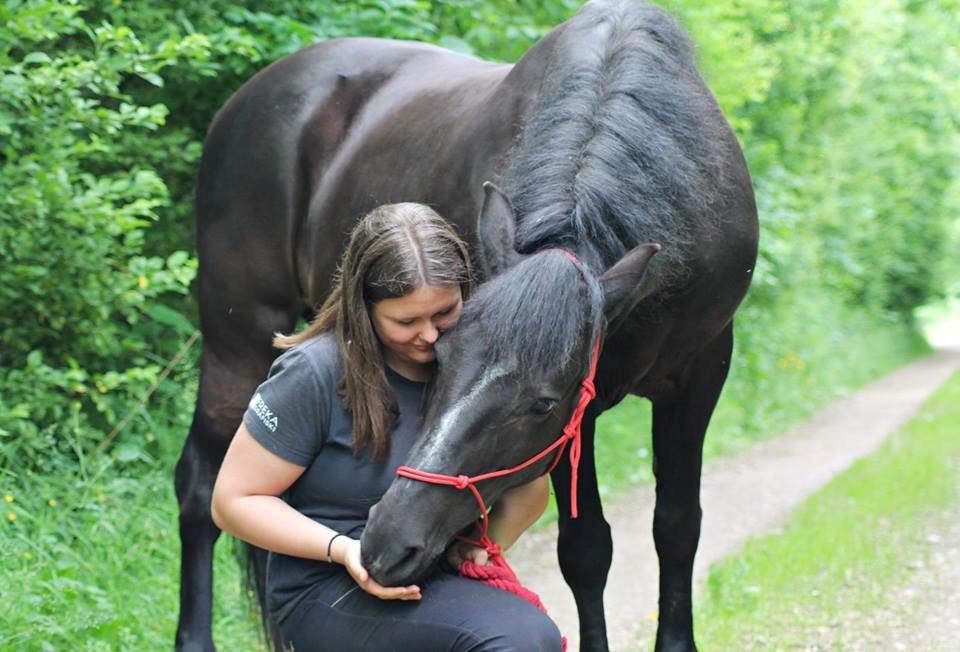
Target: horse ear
point(623, 285)
point(496, 227)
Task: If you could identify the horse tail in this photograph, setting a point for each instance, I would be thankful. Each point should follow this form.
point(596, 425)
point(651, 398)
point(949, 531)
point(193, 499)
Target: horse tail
point(253, 567)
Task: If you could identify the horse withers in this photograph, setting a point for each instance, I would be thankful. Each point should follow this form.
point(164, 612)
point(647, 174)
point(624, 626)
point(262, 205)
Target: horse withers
point(604, 140)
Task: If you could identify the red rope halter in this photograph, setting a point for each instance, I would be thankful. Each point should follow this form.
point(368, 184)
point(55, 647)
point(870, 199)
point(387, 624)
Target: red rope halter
point(571, 433)
point(499, 573)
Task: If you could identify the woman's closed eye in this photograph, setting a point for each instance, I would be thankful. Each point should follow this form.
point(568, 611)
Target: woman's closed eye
point(438, 315)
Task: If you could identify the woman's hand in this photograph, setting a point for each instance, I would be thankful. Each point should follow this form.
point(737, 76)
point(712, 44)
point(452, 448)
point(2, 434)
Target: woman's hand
point(351, 559)
point(461, 551)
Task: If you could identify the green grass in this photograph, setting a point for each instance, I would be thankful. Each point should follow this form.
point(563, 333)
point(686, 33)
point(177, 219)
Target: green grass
point(844, 549)
point(91, 563)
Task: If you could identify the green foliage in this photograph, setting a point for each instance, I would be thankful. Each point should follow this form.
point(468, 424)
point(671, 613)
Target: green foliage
point(75, 287)
point(848, 118)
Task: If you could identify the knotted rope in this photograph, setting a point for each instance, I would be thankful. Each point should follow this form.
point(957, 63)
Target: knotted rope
point(498, 574)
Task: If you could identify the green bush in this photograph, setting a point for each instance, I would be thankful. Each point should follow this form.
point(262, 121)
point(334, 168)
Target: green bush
point(81, 314)
point(847, 115)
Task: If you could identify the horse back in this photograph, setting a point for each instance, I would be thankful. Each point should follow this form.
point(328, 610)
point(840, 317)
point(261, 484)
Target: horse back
point(319, 138)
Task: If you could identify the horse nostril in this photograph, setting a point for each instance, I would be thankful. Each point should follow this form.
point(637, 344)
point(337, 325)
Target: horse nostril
point(409, 555)
point(396, 566)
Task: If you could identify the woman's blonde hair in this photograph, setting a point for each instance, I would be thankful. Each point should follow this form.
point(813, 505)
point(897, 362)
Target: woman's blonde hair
point(392, 251)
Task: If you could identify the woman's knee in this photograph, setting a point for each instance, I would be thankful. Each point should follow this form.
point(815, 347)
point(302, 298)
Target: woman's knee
point(533, 633)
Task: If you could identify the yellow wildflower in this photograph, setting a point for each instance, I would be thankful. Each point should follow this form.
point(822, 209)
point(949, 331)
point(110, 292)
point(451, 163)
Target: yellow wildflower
point(142, 281)
point(8, 498)
point(11, 517)
point(792, 362)
point(52, 502)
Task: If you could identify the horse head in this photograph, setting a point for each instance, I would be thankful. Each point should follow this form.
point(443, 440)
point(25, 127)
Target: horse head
point(510, 375)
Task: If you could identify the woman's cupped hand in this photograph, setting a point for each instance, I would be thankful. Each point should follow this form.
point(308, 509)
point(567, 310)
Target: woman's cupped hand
point(351, 560)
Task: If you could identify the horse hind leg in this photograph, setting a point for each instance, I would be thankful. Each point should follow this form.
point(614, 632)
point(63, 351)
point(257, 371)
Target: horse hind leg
point(194, 477)
point(679, 425)
point(584, 545)
point(228, 377)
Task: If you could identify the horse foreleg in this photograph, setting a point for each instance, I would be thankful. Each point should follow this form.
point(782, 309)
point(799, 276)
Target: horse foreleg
point(679, 424)
point(584, 546)
point(194, 478)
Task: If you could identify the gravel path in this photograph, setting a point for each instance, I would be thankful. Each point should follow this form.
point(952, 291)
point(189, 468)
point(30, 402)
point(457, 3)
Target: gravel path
point(931, 618)
point(743, 494)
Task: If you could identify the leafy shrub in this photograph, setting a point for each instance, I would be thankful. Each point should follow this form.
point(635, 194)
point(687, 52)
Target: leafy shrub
point(79, 342)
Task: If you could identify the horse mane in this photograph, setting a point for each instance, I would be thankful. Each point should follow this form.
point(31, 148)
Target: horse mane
point(545, 338)
point(615, 153)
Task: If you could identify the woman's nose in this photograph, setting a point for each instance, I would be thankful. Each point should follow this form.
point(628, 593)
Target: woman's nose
point(430, 333)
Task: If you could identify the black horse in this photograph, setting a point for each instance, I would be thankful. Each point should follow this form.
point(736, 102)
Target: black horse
point(603, 137)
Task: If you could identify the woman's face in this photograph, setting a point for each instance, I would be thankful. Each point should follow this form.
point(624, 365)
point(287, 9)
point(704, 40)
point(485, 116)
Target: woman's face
point(409, 326)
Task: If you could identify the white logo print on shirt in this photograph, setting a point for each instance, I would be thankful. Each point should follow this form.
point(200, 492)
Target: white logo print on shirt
point(265, 413)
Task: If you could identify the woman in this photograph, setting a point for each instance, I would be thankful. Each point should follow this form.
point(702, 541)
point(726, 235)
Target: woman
point(323, 437)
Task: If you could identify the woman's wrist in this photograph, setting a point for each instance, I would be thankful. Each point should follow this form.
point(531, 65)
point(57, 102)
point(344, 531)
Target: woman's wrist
point(338, 548)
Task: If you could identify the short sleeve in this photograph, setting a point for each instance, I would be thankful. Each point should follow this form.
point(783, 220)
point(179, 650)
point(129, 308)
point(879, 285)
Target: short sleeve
point(287, 413)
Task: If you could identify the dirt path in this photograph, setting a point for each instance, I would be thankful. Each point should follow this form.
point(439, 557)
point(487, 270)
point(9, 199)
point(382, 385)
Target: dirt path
point(742, 494)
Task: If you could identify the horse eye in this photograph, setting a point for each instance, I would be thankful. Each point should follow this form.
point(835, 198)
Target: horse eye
point(544, 405)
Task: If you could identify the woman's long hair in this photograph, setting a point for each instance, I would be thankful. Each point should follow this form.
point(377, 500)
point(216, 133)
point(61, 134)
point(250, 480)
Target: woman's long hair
point(392, 251)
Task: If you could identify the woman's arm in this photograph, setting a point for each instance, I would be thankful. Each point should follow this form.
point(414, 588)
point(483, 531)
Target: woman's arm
point(246, 504)
point(517, 510)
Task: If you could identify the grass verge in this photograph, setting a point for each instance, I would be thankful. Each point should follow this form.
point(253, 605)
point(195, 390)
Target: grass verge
point(91, 562)
point(842, 552)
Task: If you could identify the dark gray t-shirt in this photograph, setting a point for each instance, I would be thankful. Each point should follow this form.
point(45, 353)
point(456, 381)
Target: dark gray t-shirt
point(297, 414)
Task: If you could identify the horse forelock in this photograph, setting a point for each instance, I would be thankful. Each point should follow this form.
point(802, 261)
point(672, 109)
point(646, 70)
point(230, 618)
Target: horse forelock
point(615, 152)
point(536, 314)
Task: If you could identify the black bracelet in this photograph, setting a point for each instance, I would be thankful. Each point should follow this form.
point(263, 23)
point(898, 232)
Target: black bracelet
point(330, 547)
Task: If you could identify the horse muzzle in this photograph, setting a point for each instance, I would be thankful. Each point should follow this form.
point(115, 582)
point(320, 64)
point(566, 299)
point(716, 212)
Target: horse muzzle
point(397, 547)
